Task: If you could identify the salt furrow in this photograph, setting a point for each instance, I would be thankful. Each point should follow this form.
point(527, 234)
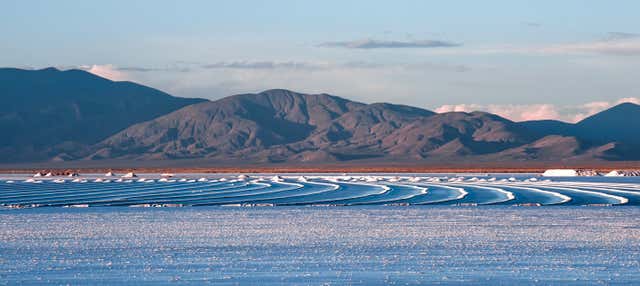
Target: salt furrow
point(608, 199)
point(195, 195)
point(275, 187)
point(106, 200)
point(500, 195)
point(125, 193)
point(311, 188)
point(458, 193)
point(346, 191)
point(559, 198)
point(333, 190)
point(55, 189)
point(630, 195)
point(397, 194)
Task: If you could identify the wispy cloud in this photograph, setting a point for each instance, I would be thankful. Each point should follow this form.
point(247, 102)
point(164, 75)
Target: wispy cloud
point(264, 65)
point(618, 44)
point(612, 36)
point(524, 112)
point(385, 44)
point(107, 71)
point(514, 112)
point(611, 44)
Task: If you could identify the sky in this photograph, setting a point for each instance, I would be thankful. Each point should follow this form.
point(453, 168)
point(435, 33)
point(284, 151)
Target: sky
point(520, 59)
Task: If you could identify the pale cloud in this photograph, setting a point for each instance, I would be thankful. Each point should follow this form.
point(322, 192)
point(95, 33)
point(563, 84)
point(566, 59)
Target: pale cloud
point(386, 44)
point(266, 65)
point(525, 112)
point(107, 71)
point(515, 112)
point(612, 44)
point(626, 46)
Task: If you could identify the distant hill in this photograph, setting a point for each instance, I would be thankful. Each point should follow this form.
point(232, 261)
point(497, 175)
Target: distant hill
point(73, 115)
point(47, 113)
point(284, 126)
point(619, 123)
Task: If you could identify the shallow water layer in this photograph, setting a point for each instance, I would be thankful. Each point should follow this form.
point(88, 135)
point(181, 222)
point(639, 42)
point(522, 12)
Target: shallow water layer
point(311, 245)
point(93, 190)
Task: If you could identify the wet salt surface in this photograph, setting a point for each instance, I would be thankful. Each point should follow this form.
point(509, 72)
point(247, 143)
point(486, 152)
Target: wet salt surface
point(364, 245)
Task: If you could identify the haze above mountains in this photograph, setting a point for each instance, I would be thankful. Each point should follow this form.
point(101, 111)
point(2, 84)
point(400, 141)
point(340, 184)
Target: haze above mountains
point(53, 115)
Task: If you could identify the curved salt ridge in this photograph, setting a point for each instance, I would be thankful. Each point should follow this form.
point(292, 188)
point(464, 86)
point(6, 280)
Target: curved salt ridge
point(110, 198)
point(274, 187)
point(269, 188)
point(137, 189)
point(509, 195)
point(399, 197)
point(310, 199)
point(631, 188)
point(148, 197)
point(102, 196)
point(621, 200)
point(301, 193)
point(205, 197)
point(195, 194)
point(461, 195)
point(385, 189)
point(563, 198)
point(599, 188)
point(91, 187)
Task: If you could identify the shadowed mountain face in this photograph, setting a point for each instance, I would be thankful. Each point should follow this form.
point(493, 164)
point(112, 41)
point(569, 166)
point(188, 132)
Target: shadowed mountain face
point(45, 113)
point(619, 124)
point(74, 115)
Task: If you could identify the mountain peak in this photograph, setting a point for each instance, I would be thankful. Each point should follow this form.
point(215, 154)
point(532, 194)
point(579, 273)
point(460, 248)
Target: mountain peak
point(614, 124)
point(49, 69)
point(625, 106)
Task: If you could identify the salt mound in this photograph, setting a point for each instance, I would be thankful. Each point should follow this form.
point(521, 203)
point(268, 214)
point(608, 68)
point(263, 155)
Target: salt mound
point(130, 175)
point(623, 173)
point(560, 173)
point(569, 173)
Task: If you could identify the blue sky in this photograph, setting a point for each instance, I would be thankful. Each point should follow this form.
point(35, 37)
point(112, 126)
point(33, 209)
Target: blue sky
point(521, 59)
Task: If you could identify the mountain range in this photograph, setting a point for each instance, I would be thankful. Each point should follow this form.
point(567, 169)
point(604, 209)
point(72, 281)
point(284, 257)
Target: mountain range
point(53, 115)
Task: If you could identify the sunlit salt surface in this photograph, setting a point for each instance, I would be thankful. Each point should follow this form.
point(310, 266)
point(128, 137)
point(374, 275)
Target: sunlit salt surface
point(312, 245)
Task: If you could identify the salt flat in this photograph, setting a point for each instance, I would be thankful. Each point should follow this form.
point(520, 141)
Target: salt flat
point(313, 245)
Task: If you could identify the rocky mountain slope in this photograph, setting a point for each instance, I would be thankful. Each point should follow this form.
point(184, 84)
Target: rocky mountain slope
point(73, 115)
point(48, 113)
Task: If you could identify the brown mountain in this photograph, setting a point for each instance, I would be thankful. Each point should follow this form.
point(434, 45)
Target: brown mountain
point(48, 113)
point(73, 115)
point(284, 126)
